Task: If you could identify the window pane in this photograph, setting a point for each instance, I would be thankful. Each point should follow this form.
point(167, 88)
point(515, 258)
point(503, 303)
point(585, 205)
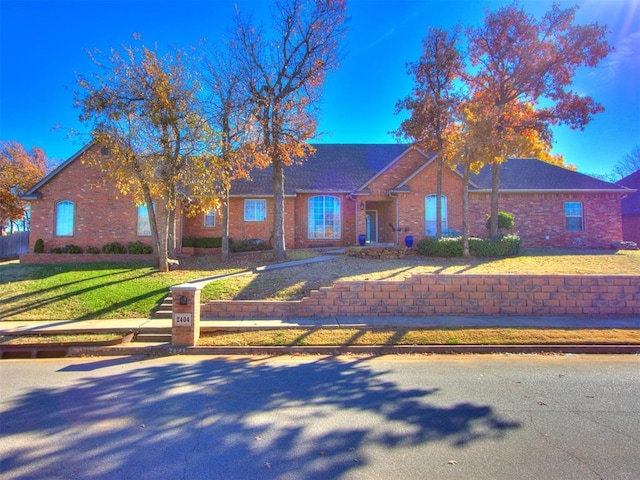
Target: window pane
point(144, 227)
point(430, 214)
point(324, 218)
point(210, 219)
point(255, 210)
point(573, 215)
point(64, 219)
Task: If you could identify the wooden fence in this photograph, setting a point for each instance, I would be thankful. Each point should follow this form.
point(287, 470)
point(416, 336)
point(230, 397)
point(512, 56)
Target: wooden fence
point(11, 246)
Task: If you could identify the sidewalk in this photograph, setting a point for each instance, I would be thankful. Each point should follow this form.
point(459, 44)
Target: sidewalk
point(145, 324)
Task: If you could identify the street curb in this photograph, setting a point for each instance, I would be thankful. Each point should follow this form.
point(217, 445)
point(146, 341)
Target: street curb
point(169, 350)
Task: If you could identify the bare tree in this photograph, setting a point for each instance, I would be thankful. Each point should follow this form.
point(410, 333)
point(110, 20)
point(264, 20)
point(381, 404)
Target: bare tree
point(284, 73)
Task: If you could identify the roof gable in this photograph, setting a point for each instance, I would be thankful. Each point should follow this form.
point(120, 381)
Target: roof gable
point(33, 194)
point(631, 203)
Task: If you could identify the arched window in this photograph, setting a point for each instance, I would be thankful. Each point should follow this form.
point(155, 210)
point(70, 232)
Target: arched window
point(324, 218)
point(65, 215)
point(430, 214)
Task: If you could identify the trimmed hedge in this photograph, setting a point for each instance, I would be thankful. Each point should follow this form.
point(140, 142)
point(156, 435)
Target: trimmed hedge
point(69, 248)
point(249, 245)
point(138, 248)
point(114, 247)
point(202, 242)
point(507, 246)
point(38, 247)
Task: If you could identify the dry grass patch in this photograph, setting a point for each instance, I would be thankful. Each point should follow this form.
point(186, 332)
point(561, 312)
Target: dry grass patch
point(297, 282)
point(418, 336)
point(66, 338)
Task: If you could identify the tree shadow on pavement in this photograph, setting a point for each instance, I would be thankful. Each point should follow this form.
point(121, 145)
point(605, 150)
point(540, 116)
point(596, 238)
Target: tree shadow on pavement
point(230, 418)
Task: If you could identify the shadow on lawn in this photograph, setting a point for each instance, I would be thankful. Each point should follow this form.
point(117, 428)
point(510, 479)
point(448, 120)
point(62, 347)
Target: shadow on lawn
point(231, 418)
point(46, 297)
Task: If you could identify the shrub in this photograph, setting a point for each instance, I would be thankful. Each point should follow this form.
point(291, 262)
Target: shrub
point(56, 250)
point(72, 249)
point(248, 245)
point(38, 247)
point(90, 249)
point(138, 248)
point(202, 242)
point(445, 247)
point(505, 221)
point(507, 246)
point(113, 247)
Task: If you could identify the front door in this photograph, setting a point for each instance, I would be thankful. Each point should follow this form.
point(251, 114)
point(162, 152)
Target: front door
point(372, 226)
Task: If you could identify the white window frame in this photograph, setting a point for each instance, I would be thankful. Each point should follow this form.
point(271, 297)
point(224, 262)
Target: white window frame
point(323, 224)
point(143, 228)
point(431, 220)
point(211, 214)
point(251, 211)
point(573, 210)
point(61, 215)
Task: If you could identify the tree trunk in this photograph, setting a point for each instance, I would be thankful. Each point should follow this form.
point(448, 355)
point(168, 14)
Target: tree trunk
point(495, 194)
point(225, 226)
point(439, 198)
point(163, 237)
point(172, 235)
point(465, 212)
point(278, 210)
point(153, 224)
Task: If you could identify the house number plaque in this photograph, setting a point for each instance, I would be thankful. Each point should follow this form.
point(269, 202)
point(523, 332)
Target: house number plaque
point(182, 319)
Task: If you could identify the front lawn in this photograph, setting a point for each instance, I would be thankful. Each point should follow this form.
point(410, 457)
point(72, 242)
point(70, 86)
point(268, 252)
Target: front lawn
point(109, 290)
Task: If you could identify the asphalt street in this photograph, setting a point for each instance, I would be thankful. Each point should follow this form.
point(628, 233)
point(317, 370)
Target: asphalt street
point(316, 417)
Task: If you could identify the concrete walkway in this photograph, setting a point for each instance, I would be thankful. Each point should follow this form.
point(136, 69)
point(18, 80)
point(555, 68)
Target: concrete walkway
point(150, 325)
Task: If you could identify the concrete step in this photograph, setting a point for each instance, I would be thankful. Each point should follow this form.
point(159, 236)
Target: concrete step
point(164, 310)
point(153, 338)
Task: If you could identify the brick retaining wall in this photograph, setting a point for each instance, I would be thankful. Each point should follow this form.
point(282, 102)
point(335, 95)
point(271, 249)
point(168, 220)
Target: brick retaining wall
point(533, 295)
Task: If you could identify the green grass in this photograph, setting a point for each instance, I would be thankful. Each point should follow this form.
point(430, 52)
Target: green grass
point(111, 290)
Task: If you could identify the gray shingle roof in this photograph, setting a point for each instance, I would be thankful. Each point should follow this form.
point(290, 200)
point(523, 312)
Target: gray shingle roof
point(332, 168)
point(532, 174)
point(631, 203)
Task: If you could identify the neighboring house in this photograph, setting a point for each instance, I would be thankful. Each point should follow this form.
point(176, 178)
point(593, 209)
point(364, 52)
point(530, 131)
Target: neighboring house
point(631, 208)
point(384, 192)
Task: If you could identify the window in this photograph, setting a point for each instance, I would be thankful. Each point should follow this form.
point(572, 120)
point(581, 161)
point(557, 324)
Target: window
point(430, 214)
point(255, 210)
point(573, 216)
point(65, 218)
point(144, 227)
point(210, 219)
point(324, 218)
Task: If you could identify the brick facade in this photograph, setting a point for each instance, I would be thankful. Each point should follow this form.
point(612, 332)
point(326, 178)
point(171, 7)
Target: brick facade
point(103, 214)
point(424, 295)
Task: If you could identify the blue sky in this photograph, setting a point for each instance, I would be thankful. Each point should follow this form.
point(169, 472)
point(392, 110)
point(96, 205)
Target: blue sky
point(43, 45)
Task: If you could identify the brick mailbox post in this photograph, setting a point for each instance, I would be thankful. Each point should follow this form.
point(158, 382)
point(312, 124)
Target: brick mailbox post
point(185, 325)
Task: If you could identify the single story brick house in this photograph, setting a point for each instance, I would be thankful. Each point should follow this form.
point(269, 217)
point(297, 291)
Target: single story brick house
point(631, 208)
point(383, 192)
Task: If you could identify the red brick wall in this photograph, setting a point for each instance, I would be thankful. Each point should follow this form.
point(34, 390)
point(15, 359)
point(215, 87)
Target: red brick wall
point(412, 206)
point(102, 213)
point(301, 223)
point(535, 295)
point(538, 215)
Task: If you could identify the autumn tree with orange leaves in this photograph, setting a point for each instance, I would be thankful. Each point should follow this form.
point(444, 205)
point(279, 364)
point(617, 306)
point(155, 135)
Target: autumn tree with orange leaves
point(433, 101)
point(284, 69)
point(522, 71)
point(144, 109)
point(19, 171)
